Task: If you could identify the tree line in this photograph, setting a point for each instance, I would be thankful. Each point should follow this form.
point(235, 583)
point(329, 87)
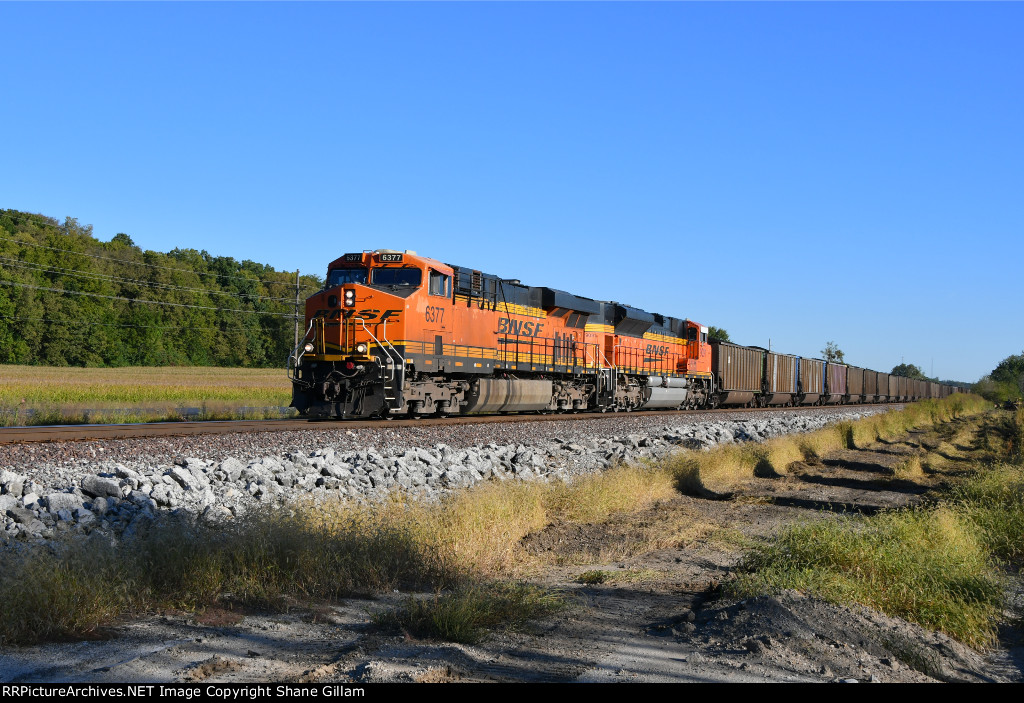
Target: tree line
point(69, 299)
point(1006, 382)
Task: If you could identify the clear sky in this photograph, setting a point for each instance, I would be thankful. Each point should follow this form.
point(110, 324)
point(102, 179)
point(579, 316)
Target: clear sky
point(796, 172)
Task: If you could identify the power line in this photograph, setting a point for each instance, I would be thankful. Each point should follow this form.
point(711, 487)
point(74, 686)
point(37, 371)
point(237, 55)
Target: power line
point(139, 300)
point(20, 263)
point(135, 263)
point(78, 323)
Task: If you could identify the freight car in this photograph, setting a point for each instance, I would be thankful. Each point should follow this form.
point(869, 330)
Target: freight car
point(394, 333)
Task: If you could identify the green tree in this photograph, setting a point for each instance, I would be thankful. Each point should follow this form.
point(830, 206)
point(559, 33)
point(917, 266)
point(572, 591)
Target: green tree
point(71, 299)
point(719, 334)
point(909, 371)
point(833, 354)
point(1010, 370)
point(122, 239)
point(1006, 382)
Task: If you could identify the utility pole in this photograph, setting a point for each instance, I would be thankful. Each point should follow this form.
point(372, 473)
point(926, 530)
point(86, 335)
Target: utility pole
point(296, 309)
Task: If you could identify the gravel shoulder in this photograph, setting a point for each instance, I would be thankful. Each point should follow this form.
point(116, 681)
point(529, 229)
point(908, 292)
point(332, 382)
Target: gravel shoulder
point(656, 617)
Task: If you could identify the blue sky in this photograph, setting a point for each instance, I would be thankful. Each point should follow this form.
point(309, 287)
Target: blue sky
point(800, 172)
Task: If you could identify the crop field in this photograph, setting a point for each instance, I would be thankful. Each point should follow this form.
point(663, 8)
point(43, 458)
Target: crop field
point(33, 395)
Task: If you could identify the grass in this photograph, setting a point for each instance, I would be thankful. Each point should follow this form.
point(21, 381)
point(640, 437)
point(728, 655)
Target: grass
point(717, 473)
point(51, 395)
point(595, 577)
point(467, 613)
point(938, 565)
point(618, 490)
point(264, 560)
point(928, 566)
point(308, 551)
point(467, 546)
point(910, 468)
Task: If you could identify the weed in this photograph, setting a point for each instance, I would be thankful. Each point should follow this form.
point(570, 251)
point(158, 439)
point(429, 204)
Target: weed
point(593, 577)
point(465, 614)
point(909, 468)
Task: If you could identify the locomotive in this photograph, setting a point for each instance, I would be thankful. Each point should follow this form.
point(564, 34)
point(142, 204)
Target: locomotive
point(394, 333)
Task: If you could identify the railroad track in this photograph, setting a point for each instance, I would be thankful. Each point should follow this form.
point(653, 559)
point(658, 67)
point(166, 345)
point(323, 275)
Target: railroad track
point(85, 433)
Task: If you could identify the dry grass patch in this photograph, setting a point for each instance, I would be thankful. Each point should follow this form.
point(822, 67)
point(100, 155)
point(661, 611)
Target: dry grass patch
point(909, 468)
point(718, 472)
point(815, 446)
point(667, 524)
point(308, 551)
point(620, 489)
point(775, 456)
point(715, 473)
point(480, 528)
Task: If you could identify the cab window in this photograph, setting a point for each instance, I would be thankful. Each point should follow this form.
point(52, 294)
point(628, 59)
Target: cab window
point(337, 277)
point(691, 334)
point(397, 277)
point(440, 284)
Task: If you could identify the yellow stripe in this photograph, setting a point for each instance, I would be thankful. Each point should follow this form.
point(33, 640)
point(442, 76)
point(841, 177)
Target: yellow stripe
point(504, 308)
point(663, 338)
point(599, 328)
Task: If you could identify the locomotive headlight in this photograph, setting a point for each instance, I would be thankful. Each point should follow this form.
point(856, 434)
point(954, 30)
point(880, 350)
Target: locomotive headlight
point(350, 298)
point(361, 348)
point(308, 347)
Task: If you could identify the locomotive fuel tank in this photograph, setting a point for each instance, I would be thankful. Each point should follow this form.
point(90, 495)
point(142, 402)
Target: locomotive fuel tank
point(493, 395)
point(666, 392)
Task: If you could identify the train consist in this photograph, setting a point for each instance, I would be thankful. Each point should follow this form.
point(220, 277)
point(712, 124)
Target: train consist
point(394, 333)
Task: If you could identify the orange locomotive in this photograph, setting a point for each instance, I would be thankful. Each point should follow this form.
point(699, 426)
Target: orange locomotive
point(393, 333)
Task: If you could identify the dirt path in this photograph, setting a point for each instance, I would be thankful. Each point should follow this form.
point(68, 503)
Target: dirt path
point(648, 612)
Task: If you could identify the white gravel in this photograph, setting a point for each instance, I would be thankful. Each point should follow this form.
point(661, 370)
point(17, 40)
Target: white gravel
point(84, 486)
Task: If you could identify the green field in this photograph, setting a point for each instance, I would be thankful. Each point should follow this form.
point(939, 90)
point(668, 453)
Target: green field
point(49, 395)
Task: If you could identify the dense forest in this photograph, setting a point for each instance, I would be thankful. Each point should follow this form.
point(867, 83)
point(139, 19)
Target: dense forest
point(68, 299)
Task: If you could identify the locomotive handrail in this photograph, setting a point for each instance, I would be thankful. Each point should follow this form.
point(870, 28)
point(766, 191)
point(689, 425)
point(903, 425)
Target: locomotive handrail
point(401, 359)
point(597, 362)
point(634, 359)
point(297, 355)
point(385, 348)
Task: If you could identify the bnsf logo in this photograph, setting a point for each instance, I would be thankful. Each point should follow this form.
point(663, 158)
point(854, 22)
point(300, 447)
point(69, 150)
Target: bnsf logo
point(656, 350)
point(519, 328)
point(365, 314)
